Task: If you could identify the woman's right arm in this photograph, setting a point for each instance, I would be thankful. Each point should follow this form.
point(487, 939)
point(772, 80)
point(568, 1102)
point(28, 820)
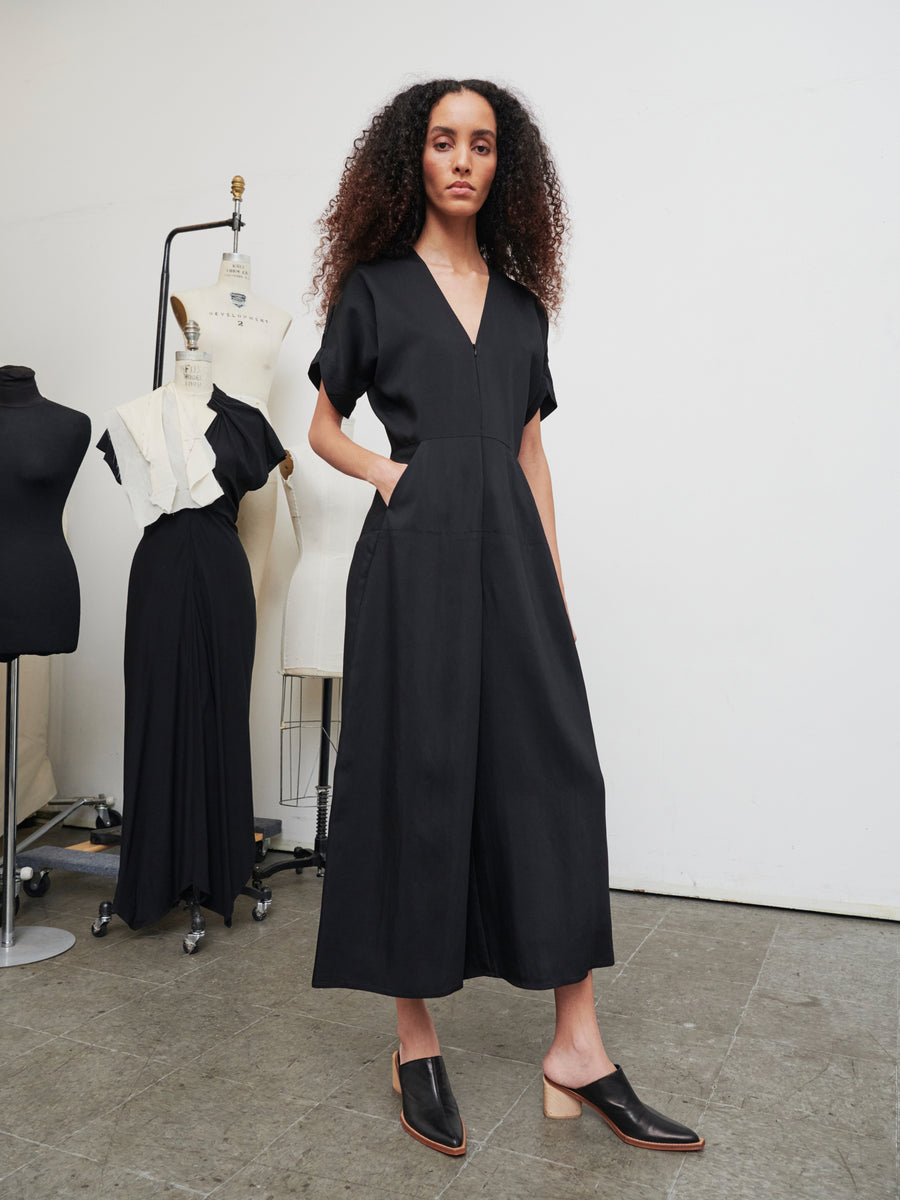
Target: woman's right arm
point(329, 441)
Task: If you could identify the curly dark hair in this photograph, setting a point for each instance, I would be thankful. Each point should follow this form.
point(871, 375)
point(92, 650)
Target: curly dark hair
point(379, 209)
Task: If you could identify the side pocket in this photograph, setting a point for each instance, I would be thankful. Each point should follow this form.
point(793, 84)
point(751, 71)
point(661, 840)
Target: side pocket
point(403, 482)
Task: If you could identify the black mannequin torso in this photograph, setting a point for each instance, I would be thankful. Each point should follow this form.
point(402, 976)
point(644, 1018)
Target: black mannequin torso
point(42, 445)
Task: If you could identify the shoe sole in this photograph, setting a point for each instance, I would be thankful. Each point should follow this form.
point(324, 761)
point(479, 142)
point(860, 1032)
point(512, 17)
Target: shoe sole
point(678, 1146)
point(453, 1151)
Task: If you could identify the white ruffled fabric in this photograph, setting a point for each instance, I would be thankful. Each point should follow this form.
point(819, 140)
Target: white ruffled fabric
point(165, 462)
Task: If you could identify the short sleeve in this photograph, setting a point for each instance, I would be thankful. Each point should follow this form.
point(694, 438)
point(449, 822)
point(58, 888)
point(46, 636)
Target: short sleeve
point(348, 355)
point(543, 397)
point(264, 452)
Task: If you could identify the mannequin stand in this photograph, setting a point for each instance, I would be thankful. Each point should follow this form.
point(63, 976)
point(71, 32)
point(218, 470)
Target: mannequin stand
point(32, 943)
point(315, 857)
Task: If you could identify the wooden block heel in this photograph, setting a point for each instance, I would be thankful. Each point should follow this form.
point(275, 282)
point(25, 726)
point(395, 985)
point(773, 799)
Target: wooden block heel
point(559, 1103)
point(395, 1075)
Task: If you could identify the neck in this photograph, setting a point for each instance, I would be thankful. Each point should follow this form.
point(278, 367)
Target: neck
point(450, 242)
point(234, 273)
point(193, 379)
point(18, 388)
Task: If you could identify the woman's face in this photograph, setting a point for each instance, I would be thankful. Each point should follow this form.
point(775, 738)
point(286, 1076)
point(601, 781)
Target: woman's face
point(460, 156)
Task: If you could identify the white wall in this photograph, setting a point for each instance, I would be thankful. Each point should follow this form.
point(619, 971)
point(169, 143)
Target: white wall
point(725, 449)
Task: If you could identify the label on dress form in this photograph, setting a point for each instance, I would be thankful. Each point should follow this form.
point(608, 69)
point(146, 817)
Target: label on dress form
point(192, 375)
point(235, 271)
point(240, 317)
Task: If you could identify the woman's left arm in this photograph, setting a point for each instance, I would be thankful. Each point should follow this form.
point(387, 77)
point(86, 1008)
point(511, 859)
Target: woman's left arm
point(533, 462)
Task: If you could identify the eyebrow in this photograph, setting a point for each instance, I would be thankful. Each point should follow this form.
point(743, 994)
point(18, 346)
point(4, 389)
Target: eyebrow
point(476, 133)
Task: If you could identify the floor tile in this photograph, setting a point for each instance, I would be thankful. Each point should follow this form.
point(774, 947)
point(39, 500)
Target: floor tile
point(270, 973)
point(656, 1055)
point(364, 1151)
point(491, 1173)
point(628, 939)
point(640, 908)
point(865, 932)
point(63, 1085)
point(190, 1128)
point(827, 968)
point(65, 995)
point(784, 1156)
point(14, 1151)
point(257, 1182)
point(485, 1088)
point(152, 955)
point(676, 997)
point(170, 1024)
point(823, 1023)
point(702, 957)
point(363, 1009)
point(57, 1174)
point(16, 1040)
point(722, 920)
point(516, 1024)
point(842, 1093)
point(296, 1057)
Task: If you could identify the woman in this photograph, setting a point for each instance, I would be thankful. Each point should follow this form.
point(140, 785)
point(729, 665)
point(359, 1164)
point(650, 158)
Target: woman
point(468, 833)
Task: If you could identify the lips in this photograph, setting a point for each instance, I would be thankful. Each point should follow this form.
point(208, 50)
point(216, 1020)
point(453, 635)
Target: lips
point(460, 186)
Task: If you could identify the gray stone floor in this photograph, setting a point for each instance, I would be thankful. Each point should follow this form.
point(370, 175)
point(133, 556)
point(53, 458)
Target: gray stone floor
point(130, 1069)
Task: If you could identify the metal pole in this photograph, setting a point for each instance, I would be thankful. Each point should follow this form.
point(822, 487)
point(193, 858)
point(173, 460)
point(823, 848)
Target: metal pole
point(162, 311)
point(9, 824)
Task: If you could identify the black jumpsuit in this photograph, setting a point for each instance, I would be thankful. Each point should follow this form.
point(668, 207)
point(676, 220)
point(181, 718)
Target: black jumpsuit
point(468, 831)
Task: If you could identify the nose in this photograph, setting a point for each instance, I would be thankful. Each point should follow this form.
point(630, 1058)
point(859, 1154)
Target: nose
point(462, 164)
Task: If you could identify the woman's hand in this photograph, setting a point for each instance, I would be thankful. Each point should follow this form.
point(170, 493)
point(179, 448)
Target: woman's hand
point(384, 473)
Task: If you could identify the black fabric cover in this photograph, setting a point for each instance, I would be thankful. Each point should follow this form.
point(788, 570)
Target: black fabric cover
point(468, 830)
point(189, 640)
point(42, 445)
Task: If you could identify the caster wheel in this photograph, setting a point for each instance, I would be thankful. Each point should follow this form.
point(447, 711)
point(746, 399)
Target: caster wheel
point(261, 851)
point(107, 821)
point(258, 913)
point(189, 947)
point(98, 929)
point(37, 885)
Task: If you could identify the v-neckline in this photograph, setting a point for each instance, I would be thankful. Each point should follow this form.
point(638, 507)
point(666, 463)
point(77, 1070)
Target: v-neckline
point(450, 307)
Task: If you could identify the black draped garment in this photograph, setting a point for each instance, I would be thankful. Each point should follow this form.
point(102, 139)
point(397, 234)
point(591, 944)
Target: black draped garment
point(42, 445)
point(468, 830)
point(190, 630)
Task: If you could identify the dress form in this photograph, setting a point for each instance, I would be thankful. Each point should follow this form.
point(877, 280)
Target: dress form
point(243, 332)
point(42, 445)
point(327, 510)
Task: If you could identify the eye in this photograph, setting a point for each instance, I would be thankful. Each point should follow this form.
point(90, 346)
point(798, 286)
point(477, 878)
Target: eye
point(443, 144)
point(482, 148)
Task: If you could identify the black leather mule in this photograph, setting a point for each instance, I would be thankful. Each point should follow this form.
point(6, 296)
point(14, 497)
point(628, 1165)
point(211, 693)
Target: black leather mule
point(628, 1117)
point(429, 1112)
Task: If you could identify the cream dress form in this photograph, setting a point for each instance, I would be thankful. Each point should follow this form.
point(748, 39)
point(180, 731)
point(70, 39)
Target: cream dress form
point(243, 333)
point(327, 510)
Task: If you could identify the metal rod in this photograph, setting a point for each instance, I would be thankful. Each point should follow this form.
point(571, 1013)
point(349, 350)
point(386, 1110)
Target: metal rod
point(325, 739)
point(162, 312)
point(9, 845)
point(53, 822)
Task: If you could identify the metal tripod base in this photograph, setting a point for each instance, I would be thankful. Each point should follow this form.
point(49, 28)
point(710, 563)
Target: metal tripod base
point(34, 943)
